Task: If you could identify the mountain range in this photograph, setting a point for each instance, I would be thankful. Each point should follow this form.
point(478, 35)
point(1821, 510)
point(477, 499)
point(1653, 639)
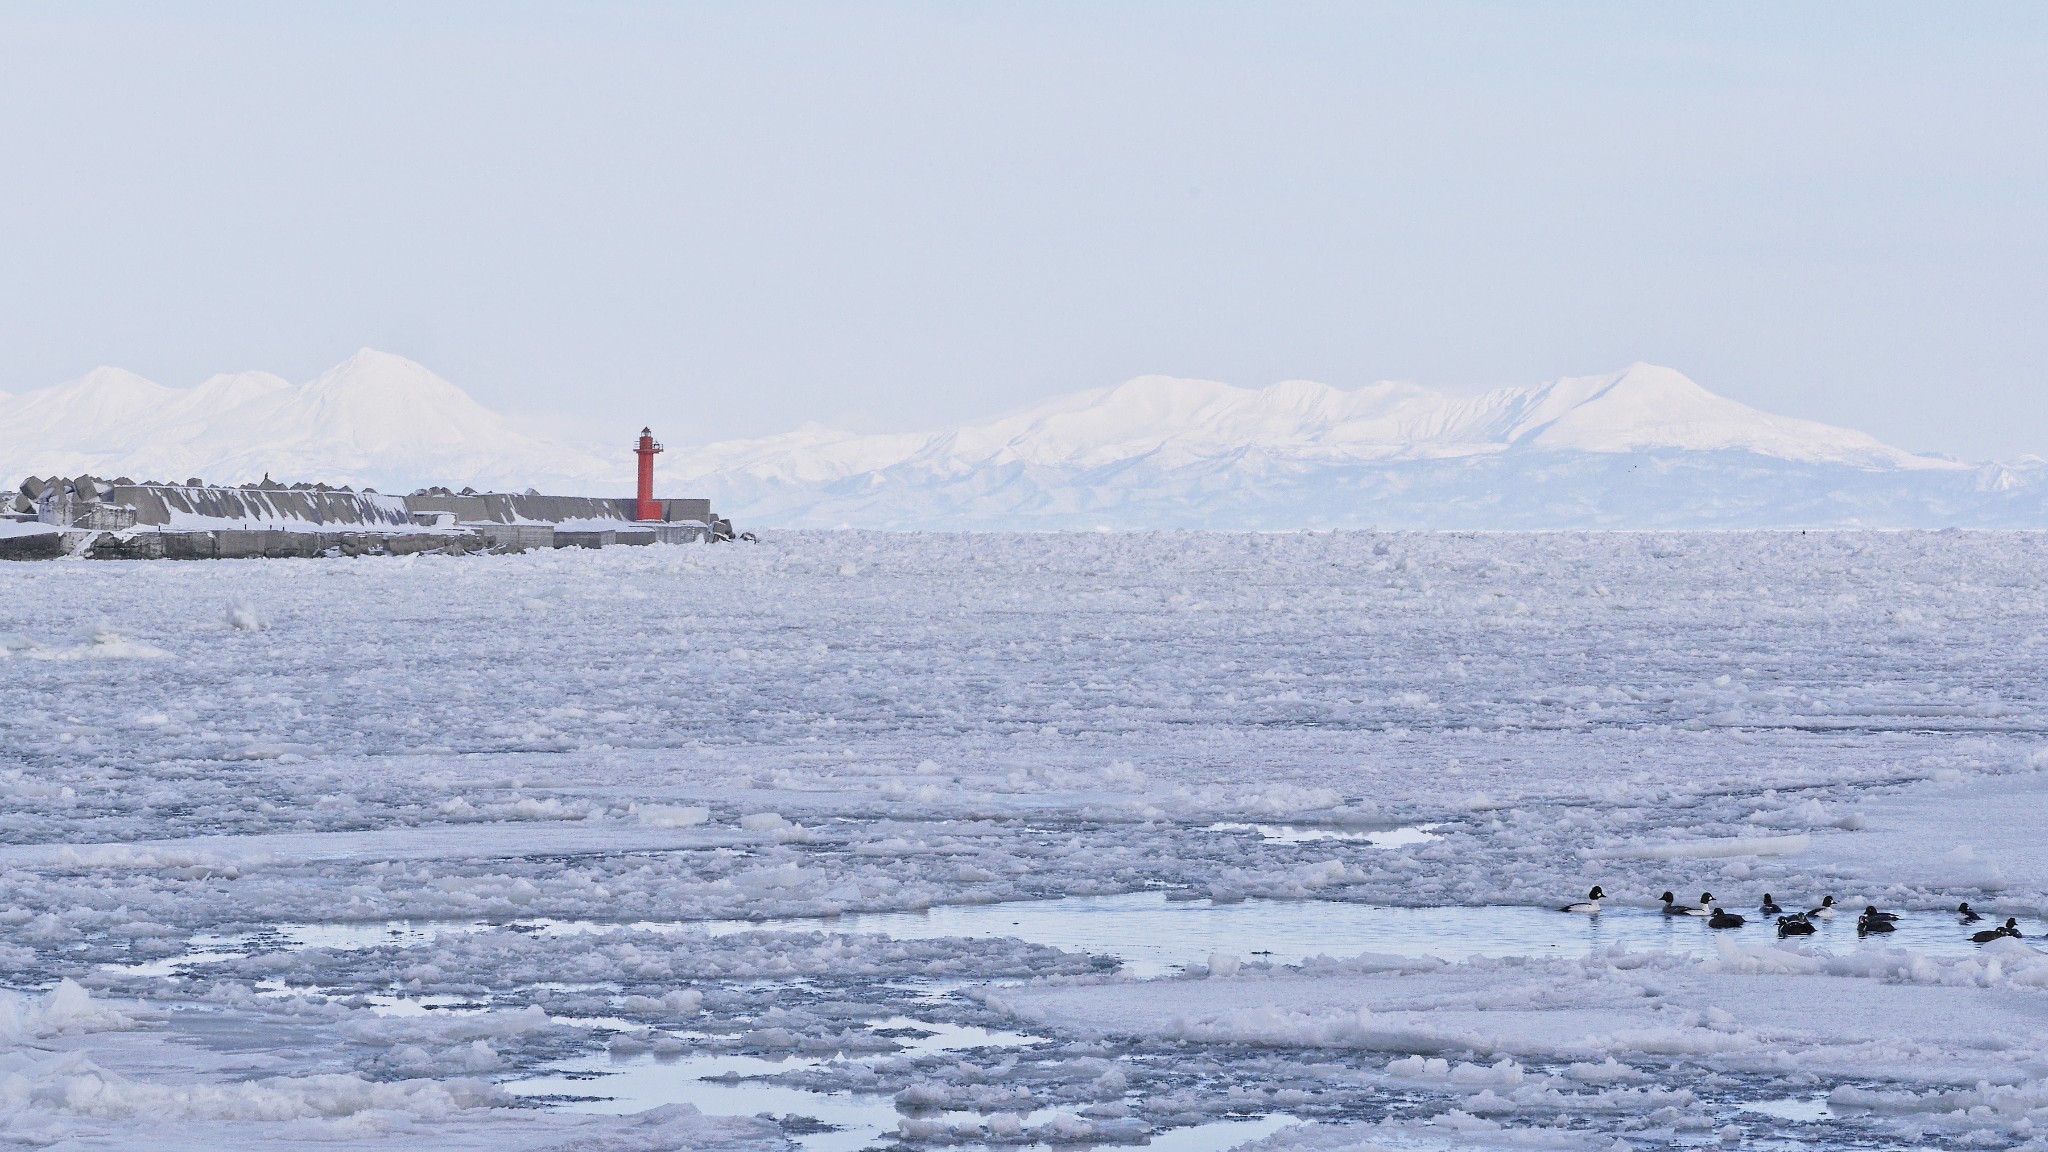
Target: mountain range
point(374, 419)
point(1644, 447)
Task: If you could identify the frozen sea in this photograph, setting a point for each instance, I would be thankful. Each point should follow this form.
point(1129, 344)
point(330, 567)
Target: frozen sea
point(1185, 840)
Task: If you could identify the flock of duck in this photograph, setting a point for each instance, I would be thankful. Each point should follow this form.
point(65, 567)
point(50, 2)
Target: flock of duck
point(1868, 922)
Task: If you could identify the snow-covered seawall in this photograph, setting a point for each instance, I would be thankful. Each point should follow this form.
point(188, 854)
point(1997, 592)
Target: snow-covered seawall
point(121, 520)
point(183, 507)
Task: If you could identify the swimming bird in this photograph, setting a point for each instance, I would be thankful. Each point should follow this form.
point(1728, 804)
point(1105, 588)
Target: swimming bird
point(1672, 909)
point(1868, 923)
point(1722, 918)
point(1887, 917)
point(1590, 904)
point(1706, 907)
point(1794, 925)
point(1826, 911)
point(1969, 917)
point(2011, 928)
point(1770, 906)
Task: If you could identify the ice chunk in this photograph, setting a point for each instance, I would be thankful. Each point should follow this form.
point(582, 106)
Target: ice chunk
point(64, 1010)
point(672, 815)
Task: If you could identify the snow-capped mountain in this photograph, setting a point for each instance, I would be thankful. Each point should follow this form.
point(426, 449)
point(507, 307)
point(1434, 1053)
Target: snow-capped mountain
point(1174, 423)
point(374, 419)
point(1640, 448)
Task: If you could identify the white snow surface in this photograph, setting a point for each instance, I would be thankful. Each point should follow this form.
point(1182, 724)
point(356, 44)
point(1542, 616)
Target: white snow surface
point(446, 828)
point(1643, 447)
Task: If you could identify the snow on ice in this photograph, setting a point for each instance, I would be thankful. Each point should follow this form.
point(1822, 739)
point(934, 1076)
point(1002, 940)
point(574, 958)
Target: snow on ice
point(849, 840)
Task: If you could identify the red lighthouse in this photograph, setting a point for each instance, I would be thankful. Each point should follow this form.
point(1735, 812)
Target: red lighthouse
point(650, 508)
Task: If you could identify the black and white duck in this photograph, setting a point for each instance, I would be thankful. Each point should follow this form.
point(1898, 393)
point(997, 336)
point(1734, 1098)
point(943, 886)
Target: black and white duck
point(1826, 911)
point(1794, 925)
point(1873, 921)
point(1590, 905)
point(1969, 917)
point(1770, 906)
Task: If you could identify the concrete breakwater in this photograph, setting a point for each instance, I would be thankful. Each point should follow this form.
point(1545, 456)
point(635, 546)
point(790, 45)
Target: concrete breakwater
point(534, 508)
point(227, 544)
point(232, 544)
point(90, 518)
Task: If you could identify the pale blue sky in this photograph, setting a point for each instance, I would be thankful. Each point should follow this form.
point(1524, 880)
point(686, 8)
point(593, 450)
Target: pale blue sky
point(729, 219)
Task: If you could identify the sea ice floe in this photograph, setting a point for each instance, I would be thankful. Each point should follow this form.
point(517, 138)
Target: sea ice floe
point(1032, 736)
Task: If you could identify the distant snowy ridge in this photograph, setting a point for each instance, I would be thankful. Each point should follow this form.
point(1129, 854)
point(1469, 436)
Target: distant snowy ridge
point(1172, 422)
point(1644, 447)
point(374, 419)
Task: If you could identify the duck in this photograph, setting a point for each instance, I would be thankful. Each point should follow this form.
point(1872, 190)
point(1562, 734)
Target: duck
point(1770, 906)
point(1872, 921)
point(1673, 909)
point(1826, 911)
point(1887, 917)
point(1969, 917)
point(1591, 904)
point(1706, 907)
point(1722, 918)
point(1794, 925)
point(2011, 928)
